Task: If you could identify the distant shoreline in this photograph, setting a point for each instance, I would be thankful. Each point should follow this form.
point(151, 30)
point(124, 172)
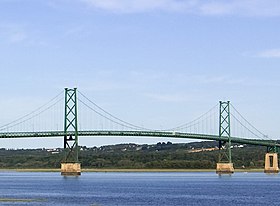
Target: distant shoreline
point(130, 170)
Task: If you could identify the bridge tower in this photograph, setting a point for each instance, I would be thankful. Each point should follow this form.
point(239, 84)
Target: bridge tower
point(70, 165)
point(271, 160)
point(224, 165)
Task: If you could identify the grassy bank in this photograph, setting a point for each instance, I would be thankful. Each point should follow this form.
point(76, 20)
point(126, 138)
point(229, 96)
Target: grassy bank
point(166, 170)
point(132, 170)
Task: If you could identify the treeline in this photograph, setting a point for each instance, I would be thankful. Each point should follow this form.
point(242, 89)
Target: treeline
point(199, 155)
point(177, 157)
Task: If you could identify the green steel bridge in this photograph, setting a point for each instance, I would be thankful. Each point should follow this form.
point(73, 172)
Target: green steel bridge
point(180, 135)
point(196, 129)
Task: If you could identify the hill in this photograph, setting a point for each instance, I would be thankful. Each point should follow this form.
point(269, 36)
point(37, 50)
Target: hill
point(195, 155)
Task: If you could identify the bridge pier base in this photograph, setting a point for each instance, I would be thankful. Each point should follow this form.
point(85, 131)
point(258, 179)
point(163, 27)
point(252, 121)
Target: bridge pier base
point(271, 163)
point(70, 169)
point(224, 168)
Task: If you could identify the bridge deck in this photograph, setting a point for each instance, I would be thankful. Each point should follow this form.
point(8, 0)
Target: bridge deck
point(139, 133)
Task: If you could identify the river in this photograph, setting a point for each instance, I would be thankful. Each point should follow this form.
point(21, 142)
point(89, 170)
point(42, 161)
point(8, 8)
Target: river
point(143, 188)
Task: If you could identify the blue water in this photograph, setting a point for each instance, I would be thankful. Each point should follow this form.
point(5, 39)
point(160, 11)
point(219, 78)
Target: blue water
point(98, 189)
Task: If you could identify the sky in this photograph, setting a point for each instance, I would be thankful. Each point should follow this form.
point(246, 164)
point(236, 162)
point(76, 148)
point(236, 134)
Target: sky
point(156, 63)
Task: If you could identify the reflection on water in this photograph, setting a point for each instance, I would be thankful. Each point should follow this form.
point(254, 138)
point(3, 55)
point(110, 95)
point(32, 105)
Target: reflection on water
point(202, 188)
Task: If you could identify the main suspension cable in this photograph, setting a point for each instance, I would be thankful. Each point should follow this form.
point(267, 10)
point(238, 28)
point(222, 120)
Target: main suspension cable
point(34, 111)
point(124, 122)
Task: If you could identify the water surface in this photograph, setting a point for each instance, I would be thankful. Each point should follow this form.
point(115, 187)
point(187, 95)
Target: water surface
point(144, 188)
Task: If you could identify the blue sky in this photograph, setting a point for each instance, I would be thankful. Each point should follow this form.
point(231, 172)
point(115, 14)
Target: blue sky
point(155, 63)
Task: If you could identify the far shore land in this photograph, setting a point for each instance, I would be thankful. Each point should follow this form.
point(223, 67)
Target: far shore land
point(131, 170)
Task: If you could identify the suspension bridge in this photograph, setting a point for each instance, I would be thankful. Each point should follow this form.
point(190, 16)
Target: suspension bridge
point(60, 117)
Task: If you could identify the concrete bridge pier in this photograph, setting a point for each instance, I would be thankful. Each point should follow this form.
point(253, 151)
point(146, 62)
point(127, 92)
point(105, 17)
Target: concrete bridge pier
point(71, 169)
point(224, 168)
point(271, 163)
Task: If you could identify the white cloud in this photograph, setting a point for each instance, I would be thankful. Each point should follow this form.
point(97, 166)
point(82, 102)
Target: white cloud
point(211, 7)
point(220, 79)
point(169, 97)
point(12, 33)
point(272, 53)
point(17, 37)
point(131, 6)
point(217, 8)
point(242, 7)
